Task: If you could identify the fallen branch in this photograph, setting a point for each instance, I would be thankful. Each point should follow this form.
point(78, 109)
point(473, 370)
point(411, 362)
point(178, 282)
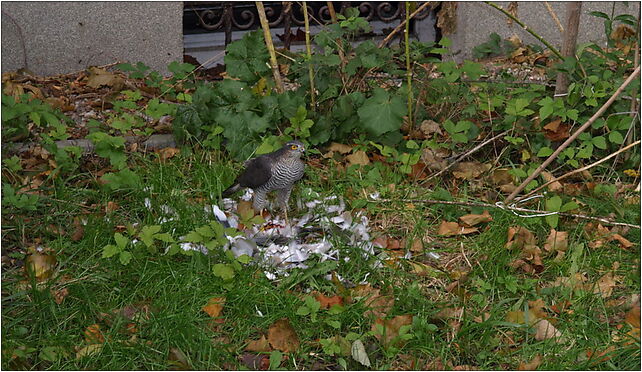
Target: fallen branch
point(505, 207)
point(575, 171)
point(154, 142)
point(572, 138)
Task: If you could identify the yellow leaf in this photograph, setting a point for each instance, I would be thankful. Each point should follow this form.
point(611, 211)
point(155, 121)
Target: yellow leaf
point(214, 306)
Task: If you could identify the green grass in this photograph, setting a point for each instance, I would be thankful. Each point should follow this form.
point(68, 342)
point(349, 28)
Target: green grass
point(175, 288)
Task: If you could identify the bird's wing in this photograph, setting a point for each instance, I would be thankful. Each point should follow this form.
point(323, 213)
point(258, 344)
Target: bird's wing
point(257, 172)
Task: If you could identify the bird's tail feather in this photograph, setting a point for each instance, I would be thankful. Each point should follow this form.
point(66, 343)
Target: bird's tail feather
point(231, 190)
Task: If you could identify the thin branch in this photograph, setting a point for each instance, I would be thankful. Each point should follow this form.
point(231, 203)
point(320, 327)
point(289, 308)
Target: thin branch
point(577, 133)
point(527, 29)
point(270, 46)
point(309, 55)
point(554, 16)
point(400, 27)
point(575, 171)
point(504, 207)
point(408, 69)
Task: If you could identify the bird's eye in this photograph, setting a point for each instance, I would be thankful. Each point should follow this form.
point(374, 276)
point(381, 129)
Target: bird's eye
point(294, 147)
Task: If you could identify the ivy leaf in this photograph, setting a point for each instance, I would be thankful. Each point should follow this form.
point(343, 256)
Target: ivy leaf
point(382, 113)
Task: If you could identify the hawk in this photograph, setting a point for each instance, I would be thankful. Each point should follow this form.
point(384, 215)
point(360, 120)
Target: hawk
point(276, 171)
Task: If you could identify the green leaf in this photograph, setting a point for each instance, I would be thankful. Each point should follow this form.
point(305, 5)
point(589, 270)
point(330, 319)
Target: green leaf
point(121, 241)
point(552, 220)
point(147, 234)
point(545, 111)
point(110, 250)
point(472, 69)
point(382, 113)
point(553, 204)
point(125, 257)
point(544, 152)
point(569, 206)
point(302, 310)
point(599, 142)
point(275, 359)
point(616, 137)
point(223, 271)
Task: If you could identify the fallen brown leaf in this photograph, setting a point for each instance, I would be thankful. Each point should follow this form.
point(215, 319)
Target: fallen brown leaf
point(40, 265)
point(378, 305)
point(260, 345)
point(89, 350)
point(360, 157)
point(519, 237)
point(470, 170)
point(545, 330)
point(214, 306)
point(59, 295)
point(178, 360)
point(604, 286)
point(554, 186)
point(475, 219)
point(391, 329)
point(167, 153)
point(532, 365)
point(453, 228)
point(282, 336)
point(557, 241)
point(93, 334)
point(327, 302)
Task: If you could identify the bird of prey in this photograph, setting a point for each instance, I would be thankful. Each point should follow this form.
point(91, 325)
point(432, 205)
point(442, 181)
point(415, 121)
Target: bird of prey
point(276, 171)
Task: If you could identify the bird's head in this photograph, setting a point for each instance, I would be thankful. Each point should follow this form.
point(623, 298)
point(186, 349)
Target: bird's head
point(294, 148)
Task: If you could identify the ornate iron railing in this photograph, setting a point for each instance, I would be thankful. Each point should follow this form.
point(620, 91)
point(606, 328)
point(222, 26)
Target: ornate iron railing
point(232, 16)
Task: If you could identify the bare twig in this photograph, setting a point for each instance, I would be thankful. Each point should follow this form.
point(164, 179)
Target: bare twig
point(309, 55)
point(575, 171)
point(527, 29)
point(270, 46)
point(504, 207)
point(468, 153)
point(400, 27)
point(554, 16)
point(577, 133)
point(408, 69)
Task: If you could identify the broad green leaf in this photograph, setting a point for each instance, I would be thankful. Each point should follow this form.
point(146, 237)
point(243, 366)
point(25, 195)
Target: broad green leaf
point(125, 257)
point(382, 112)
point(553, 204)
point(544, 151)
point(616, 137)
point(569, 206)
point(223, 271)
point(599, 142)
point(121, 241)
point(110, 250)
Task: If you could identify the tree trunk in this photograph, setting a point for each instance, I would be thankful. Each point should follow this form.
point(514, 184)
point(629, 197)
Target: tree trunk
point(573, 11)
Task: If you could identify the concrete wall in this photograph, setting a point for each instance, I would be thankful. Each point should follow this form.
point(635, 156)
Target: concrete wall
point(476, 21)
point(62, 37)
